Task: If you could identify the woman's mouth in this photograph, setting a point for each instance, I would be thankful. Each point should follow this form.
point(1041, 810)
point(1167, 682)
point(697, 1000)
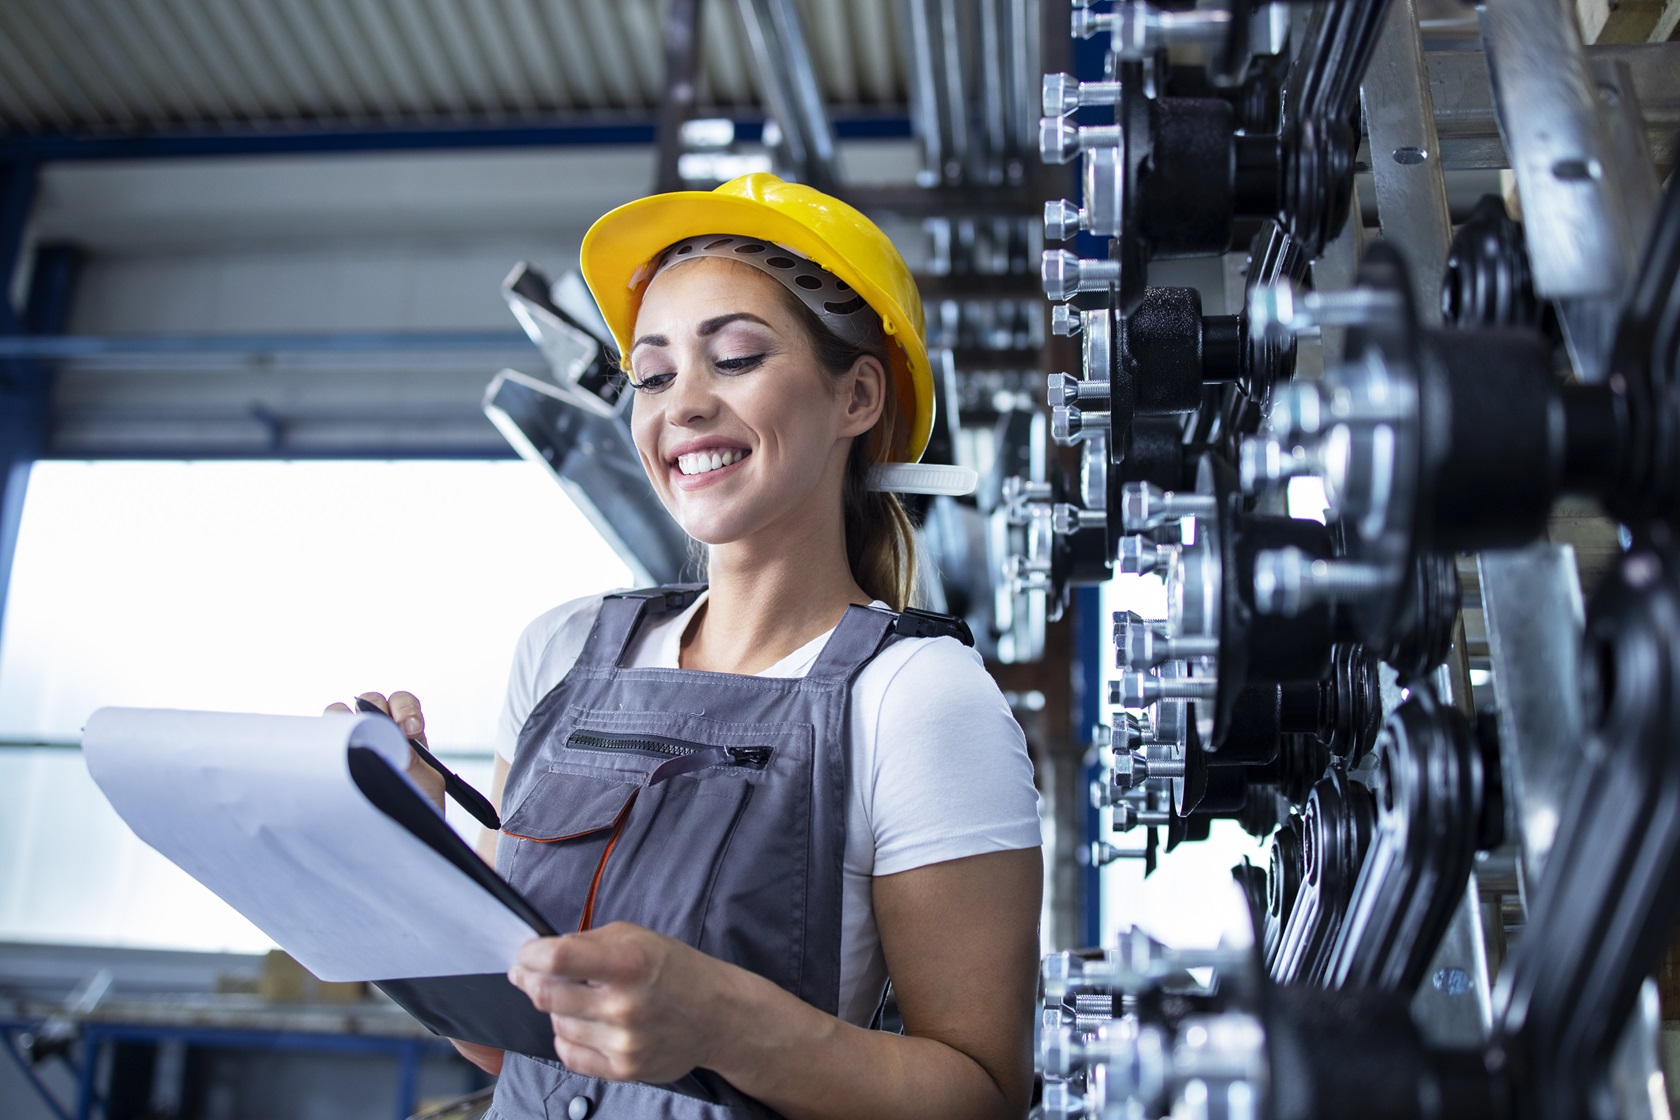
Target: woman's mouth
point(704, 462)
point(698, 469)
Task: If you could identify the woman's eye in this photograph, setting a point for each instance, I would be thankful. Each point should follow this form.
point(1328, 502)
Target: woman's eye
point(738, 365)
point(653, 382)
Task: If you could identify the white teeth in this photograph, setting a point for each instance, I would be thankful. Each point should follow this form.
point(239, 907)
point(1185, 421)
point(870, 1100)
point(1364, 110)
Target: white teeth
point(701, 462)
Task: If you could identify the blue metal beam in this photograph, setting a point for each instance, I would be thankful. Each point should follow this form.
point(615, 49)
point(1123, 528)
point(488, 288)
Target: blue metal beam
point(571, 132)
point(86, 347)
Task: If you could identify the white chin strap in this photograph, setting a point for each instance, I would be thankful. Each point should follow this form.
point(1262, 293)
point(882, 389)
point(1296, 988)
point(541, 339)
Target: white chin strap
point(923, 478)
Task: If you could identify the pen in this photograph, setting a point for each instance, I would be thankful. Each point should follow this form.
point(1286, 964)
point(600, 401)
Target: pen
point(465, 795)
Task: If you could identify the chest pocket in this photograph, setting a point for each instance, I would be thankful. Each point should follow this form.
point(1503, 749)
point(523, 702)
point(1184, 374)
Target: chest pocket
point(630, 825)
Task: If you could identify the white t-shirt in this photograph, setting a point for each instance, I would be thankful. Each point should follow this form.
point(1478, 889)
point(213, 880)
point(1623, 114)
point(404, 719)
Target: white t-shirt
point(939, 766)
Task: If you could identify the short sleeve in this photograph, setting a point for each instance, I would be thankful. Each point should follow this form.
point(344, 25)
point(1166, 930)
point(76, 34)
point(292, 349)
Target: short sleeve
point(545, 653)
point(949, 775)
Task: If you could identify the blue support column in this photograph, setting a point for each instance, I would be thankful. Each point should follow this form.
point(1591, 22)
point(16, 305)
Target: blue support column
point(25, 384)
point(1088, 639)
point(1090, 58)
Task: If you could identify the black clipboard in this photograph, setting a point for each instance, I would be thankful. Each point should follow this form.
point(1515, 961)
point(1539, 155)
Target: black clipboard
point(484, 1008)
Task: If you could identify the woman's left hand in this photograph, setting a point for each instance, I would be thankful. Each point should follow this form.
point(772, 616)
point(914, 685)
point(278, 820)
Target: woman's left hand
point(626, 1003)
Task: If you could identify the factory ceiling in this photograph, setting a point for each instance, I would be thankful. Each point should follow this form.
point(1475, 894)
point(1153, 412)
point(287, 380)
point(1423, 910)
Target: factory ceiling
point(135, 67)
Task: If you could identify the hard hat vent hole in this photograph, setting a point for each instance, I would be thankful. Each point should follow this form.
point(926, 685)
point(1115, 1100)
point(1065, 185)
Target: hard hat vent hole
point(842, 285)
point(685, 249)
point(846, 308)
point(719, 243)
point(779, 262)
point(809, 283)
point(750, 247)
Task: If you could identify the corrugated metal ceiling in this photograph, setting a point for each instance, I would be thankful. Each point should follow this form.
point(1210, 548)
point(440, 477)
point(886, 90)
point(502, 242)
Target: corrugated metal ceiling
point(90, 66)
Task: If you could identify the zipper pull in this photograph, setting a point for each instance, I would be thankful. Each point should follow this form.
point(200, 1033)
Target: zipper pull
point(755, 757)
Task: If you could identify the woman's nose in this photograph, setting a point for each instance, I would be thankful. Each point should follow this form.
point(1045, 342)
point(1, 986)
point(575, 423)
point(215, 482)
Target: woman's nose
point(692, 395)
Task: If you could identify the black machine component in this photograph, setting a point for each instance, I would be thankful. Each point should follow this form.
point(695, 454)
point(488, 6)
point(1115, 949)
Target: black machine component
point(1171, 175)
point(1489, 282)
point(1431, 442)
point(1438, 803)
point(1336, 830)
point(1311, 679)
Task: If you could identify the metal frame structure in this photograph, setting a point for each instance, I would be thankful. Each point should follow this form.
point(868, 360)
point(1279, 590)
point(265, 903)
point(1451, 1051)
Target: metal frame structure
point(97, 1036)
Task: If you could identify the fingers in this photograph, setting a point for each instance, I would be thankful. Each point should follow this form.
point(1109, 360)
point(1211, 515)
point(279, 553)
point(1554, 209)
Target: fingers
point(405, 709)
point(402, 707)
point(377, 699)
point(334, 708)
point(575, 1055)
point(619, 953)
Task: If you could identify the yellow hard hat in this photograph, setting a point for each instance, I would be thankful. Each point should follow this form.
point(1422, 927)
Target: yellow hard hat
point(620, 249)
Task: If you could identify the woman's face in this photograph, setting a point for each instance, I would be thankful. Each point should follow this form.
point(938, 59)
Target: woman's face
point(725, 375)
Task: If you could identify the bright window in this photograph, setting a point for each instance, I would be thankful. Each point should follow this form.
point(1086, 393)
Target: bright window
point(264, 587)
point(1189, 900)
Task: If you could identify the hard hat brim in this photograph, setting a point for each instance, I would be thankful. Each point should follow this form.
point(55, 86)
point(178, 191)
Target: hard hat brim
point(619, 249)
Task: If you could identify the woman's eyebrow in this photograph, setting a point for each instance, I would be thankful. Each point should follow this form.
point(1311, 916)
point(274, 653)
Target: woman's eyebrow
point(709, 327)
point(712, 326)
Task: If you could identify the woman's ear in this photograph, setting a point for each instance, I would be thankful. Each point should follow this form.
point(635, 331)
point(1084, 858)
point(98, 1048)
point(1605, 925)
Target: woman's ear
point(865, 397)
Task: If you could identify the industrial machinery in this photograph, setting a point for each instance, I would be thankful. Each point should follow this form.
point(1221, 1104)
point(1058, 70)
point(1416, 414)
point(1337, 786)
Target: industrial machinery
point(1468, 781)
point(1464, 901)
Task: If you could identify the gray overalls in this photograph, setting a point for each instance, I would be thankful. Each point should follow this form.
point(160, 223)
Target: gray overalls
point(710, 807)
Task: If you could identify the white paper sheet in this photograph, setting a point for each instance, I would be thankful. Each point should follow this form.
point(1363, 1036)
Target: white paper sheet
point(263, 811)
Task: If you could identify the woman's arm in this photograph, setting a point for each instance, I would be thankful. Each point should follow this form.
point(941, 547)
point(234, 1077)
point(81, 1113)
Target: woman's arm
point(961, 944)
point(487, 1058)
point(486, 846)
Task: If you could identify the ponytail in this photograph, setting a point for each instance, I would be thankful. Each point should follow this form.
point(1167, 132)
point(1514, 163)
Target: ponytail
point(880, 540)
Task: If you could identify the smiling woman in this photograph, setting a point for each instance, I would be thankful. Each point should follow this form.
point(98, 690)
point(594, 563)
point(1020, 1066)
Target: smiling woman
point(756, 801)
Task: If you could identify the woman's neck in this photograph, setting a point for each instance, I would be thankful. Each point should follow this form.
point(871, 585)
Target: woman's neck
point(762, 608)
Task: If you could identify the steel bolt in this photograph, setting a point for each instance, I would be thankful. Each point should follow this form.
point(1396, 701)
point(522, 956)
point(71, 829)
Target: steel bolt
point(1139, 690)
point(1066, 389)
point(1136, 728)
point(1279, 310)
point(1060, 1102)
point(1138, 555)
point(1063, 94)
point(1137, 29)
point(1066, 320)
point(1287, 581)
point(1019, 494)
point(1143, 644)
point(1066, 519)
point(1144, 506)
point(1062, 219)
point(1059, 139)
point(1103, 853)
point(1021, 575)
point(1126, 818)
point(1263, 460)
point(1132, 770)
point(1070, 425)
point(1065, 275)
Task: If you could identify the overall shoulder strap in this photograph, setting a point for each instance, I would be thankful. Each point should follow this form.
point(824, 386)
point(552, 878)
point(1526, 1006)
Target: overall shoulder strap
point(865, 631)
point(621, 616)
point(859, 637)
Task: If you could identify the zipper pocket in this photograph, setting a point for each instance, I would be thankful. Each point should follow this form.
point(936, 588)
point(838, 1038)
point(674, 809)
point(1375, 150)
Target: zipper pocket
point(663, 747)
point(678, 757)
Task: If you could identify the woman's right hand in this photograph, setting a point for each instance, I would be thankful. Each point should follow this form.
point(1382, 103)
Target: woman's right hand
point(404, 708)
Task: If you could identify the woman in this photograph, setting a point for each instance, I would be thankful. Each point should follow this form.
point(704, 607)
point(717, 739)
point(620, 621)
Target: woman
point(758, 801)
